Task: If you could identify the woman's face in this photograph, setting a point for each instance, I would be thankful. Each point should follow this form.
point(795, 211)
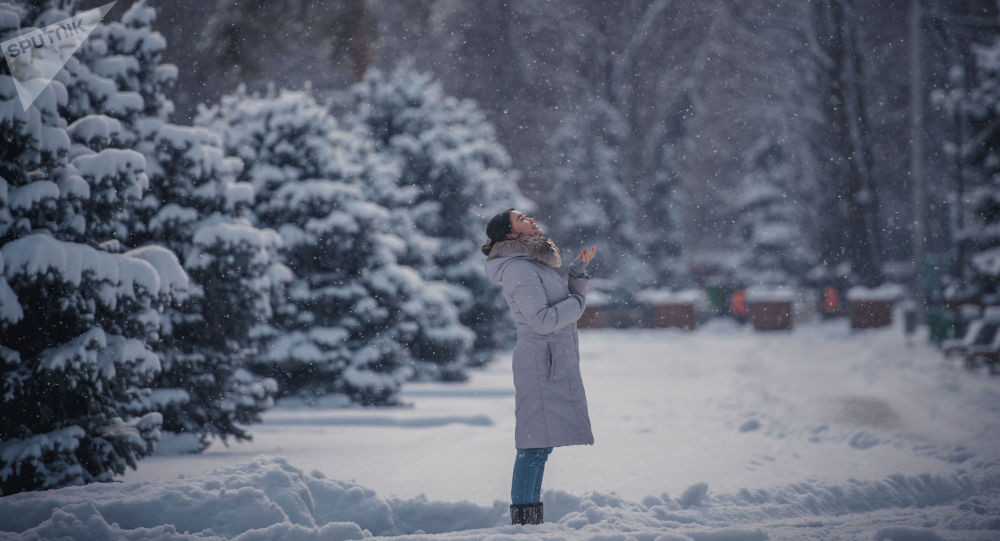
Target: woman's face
point(523, 225)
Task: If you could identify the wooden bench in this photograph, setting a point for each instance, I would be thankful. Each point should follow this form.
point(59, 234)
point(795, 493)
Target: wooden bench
point(979, 333)
point(988, 354)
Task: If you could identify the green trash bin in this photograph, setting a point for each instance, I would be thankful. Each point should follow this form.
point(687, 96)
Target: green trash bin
point(940, 325)
point(716, 297)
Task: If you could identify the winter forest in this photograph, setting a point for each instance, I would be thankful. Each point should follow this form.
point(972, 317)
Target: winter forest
point(221, 209)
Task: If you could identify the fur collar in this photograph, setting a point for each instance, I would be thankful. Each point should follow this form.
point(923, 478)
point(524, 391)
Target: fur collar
point(540, 248)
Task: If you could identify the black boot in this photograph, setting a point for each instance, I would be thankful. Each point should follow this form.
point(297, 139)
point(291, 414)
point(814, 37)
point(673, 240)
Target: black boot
point(518, 512)
point(526, 513)
point(534, 514)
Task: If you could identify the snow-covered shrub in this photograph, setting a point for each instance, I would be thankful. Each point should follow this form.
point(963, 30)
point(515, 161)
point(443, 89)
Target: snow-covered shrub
point(453, 177)
point(77, 320)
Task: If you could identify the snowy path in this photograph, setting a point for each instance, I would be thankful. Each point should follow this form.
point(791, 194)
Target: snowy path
point(818, 433)
point(669, 409)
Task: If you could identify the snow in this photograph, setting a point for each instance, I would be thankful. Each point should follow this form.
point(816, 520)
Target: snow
point(9, 20)
point(71, 184)
point(720, 433)
point(17, 450)
point(987, 262)
point(163, 396)
point(123, 104)
point(172, 277)
point(597, 298)
point(32, 195)
point(762, 293)
point(230, 236)
point(128, 351)
point(39, 254)
point(110, 162)
point(171, 214)
point(238, 193)
point(666, 296)
point(92, 127)
point(884, 292)
point(776, 233)
point(54, 140)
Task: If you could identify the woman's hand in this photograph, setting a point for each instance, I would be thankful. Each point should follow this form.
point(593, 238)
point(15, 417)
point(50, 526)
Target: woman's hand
point(587, 254)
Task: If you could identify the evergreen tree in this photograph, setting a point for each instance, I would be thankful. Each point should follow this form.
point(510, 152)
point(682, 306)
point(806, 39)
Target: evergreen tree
point(77, 321)
point(590, 203)
point(768, 222)
point(454, 175)
point(351, 315)
point(203, 388)
point(205, 349)
point(981, 108)
point(662, 202)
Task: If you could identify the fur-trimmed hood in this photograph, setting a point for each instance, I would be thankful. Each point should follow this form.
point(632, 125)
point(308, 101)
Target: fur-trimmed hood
point(541, 249)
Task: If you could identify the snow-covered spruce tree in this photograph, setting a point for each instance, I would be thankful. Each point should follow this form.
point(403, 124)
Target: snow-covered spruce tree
point(454, 175)
point(768, 222)
point(351, 316)
point(590, 205)
point(981, 235)
point(662, 200)
point(661, 204)
point(194, 207)
point(76, 320)
point(204, 386)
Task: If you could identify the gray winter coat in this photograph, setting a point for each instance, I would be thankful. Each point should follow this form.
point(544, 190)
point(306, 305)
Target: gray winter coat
point(551, 406)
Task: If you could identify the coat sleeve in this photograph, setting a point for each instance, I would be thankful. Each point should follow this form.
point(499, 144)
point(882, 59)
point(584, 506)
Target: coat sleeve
point(578, 277)
point(523, 287)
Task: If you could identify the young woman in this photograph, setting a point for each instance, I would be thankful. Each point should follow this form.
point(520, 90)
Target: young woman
point(550, 404)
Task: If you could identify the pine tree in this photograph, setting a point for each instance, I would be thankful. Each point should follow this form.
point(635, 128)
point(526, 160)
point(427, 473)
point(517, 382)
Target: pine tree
point(351, 312)
point(981, 108)
point(768, 221)
point(662, 202)
point(454, 175)
point(203, 388)
point(77, 321)
point(205, 349)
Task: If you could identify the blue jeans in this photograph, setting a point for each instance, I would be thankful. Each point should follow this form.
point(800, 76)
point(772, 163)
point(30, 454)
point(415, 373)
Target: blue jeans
point(526, 486)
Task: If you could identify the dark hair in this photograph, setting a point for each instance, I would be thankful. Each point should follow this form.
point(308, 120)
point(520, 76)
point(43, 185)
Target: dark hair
point(497, 230)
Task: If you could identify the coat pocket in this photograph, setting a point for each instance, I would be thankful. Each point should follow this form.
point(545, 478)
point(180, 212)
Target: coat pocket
point(551, 361)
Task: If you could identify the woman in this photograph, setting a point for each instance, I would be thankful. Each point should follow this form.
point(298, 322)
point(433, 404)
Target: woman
point(551, 407)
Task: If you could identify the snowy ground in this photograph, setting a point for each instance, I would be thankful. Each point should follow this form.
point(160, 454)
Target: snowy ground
point(719, 434)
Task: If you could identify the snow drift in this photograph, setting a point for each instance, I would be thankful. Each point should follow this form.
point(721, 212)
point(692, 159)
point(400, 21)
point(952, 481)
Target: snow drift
point(268, 498)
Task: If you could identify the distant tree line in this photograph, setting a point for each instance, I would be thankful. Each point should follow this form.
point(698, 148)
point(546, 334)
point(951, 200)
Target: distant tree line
point(649, 112)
